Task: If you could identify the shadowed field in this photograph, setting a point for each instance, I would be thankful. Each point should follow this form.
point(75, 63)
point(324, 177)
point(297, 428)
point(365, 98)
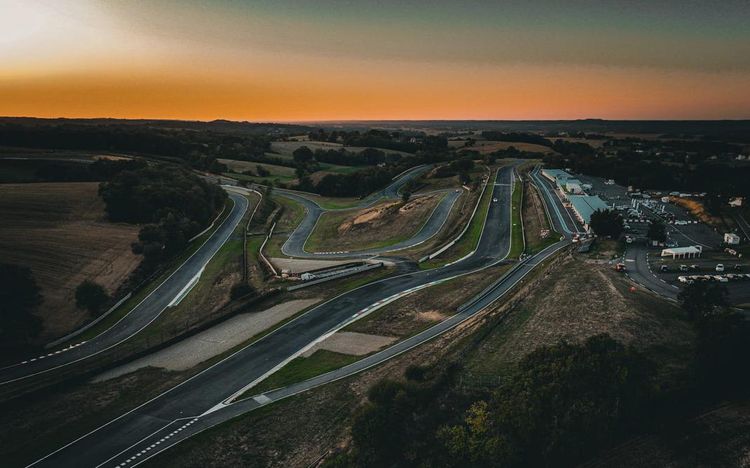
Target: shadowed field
point(60, 232)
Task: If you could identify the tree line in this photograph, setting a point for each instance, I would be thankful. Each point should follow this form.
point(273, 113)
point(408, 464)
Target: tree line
point(171, 203)
point(196, 149)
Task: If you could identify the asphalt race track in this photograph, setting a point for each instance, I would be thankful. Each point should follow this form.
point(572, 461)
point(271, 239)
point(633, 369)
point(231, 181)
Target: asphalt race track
point(142, 314)
point(209, 389)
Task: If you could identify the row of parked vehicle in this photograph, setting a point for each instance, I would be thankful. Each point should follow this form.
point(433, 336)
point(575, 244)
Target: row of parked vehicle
point(719, 278)
point(719, 268)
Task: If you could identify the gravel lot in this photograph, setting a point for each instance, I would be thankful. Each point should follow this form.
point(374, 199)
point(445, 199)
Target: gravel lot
point(357, 344)
point(197, 348)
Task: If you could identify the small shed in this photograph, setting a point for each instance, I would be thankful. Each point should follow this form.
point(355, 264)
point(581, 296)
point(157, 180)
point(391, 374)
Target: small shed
point(731, 238)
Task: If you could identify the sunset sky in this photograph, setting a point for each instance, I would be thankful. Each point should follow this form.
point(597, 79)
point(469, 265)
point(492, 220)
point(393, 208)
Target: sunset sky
point(296, 60)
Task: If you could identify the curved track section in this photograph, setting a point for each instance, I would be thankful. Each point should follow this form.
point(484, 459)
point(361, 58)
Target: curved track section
point(142, 314)
point(295, 244)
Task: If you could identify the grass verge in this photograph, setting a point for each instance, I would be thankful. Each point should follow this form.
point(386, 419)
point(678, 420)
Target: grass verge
point(470, 239)
point(303, 368)
point(516, 233)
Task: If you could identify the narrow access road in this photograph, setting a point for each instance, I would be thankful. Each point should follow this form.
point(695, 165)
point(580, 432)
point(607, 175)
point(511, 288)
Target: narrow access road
point(637, 269)
point(142, 314)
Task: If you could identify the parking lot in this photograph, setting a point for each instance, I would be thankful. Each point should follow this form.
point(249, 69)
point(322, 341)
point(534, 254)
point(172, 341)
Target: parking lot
point(735, 275)
point(682, 230)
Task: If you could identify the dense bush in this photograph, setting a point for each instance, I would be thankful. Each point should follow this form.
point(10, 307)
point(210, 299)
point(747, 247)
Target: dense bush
point(19, 299)
point(563, 403)
point(173, 203)
point(92, 297)
point(607, 223)
point(358, 183)
point(560, 405)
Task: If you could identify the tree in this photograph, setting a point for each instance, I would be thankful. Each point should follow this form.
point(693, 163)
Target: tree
point(405, 196)
point(303, 155)
point(606, 223)
point(701, 299)
point(722, 347)
point(91, 296)
point(19, 298)
point(262, 171)
point(657, 231)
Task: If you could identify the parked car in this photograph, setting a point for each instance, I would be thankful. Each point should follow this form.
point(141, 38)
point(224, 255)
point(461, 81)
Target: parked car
point(693, 267)
point(664, 268)
point(738, 268)
point(719, 267)
point(683, 268)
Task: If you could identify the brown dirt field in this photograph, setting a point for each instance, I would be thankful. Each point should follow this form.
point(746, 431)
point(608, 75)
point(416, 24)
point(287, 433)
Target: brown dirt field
point(575, 300)
point(592, 143)
point(384, 223)
point(59, 231)
point(488, 146)
point(240, 166)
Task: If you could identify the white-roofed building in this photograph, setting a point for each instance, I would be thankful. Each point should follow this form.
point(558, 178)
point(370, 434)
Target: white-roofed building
point(683, 252)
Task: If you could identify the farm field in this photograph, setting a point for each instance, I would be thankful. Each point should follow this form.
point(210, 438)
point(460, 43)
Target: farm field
point(286, 148)
point(276, 171)
point(59, 231)
point(488, 146)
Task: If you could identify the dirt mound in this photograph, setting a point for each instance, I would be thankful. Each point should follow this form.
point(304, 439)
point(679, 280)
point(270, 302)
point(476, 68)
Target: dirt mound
point(383, 214)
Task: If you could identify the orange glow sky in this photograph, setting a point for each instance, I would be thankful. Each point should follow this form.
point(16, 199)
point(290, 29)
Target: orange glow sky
point(283, 61)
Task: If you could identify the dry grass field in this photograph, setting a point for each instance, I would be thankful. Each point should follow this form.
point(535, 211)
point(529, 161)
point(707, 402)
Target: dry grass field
point(59, 231)
point(286, 148)
point(579, 298)
point(241, 166)
point(487, 146)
